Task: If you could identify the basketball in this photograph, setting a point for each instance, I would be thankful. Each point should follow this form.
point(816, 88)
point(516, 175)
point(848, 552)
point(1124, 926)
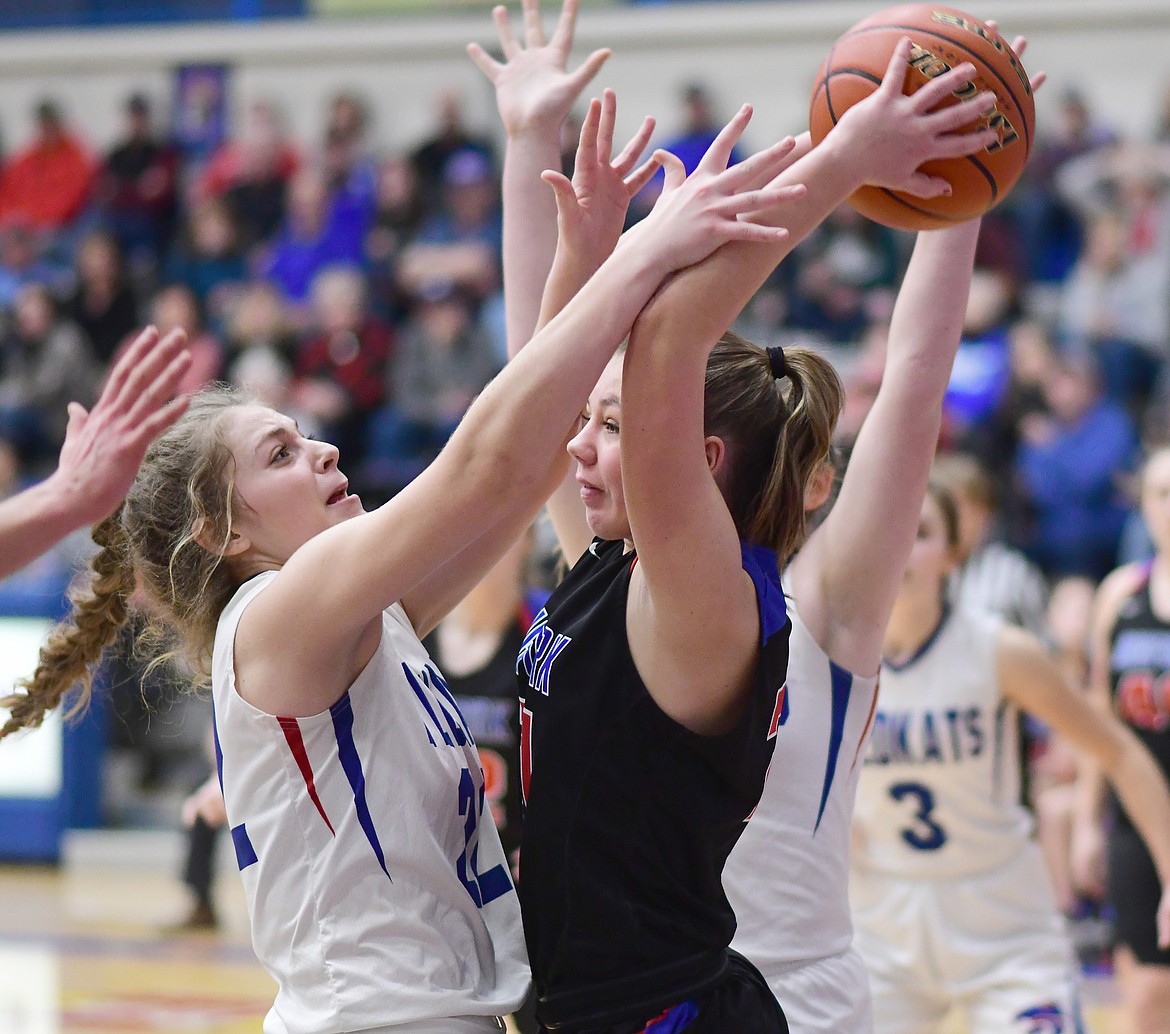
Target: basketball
point(942, 38)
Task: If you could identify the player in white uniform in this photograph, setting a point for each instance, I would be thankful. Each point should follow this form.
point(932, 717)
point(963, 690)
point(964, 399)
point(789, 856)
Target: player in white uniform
point(950, 896)
point(379, 895)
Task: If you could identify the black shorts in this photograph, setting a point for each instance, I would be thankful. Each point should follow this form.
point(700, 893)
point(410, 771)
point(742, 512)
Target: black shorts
point(1135, 891)
point(740, 1002)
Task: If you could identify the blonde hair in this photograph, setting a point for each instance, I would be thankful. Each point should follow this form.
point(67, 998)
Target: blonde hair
point(777, 432)
point(184, 487)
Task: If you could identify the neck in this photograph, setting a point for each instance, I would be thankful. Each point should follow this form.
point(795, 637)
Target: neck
point(911, 624)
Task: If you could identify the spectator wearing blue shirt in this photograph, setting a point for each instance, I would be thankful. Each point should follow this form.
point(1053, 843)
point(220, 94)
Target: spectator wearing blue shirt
point(1069, 466)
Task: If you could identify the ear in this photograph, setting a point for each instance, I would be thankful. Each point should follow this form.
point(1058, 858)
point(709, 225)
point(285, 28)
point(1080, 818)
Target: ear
point(205, 536)
point(820, 484)
point(716, 454)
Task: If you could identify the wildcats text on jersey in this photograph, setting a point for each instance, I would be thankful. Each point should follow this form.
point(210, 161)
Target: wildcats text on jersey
point(927, 737)
point(541, 647)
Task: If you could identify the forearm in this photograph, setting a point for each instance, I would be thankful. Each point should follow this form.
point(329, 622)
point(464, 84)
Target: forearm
point(1142, 788)
point(702, 301)
point(530, 229)
point(35, 520)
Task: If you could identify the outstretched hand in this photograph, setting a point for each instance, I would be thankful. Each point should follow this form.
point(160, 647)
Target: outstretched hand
point(533, 88)
point(699, 213)
point(104, 446)
point(591, 208)
point(895, 134)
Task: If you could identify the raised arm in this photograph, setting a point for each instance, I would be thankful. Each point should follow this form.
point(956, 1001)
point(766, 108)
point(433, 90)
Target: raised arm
point(688, 547)
point(495, 465)
point(1031, 680)
point(534, 94)
point(845, 578)
point(102, 450)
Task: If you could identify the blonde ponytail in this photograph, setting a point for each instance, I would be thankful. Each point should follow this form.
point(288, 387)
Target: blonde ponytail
point(98, 602)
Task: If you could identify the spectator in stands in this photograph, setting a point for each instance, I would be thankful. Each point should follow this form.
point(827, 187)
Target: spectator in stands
point(49, 182)
point(442, 360)
point(312, 237)
point(252, 171)
point(45, 363)
point(451, 135)
point(398, 213)
point(462, 242)
point(1050, 226)
point(261, 344)
point(177, 307)
point(103, 304)
point(1070, 467)
point(207, 257)
point(137, 188)
point(23, 262)
point(341, 370)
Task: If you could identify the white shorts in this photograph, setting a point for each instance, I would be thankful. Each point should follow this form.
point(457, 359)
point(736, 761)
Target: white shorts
point(993, 945)
point(825, 996)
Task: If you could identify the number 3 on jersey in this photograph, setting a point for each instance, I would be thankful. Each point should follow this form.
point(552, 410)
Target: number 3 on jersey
point(925, 834)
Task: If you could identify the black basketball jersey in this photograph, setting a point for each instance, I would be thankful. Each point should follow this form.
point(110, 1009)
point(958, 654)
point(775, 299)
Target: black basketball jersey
point(629, 817)
point(1139, 671)
point(487, 700)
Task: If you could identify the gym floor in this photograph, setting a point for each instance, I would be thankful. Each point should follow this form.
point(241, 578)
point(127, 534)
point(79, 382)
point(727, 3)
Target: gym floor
point(85, 949)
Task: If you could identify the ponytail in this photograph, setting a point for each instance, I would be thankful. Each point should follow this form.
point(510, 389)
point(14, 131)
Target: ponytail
point(776, 416)
point(98, 603)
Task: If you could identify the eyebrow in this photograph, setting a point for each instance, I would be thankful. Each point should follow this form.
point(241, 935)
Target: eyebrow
point(609, 400)
point(276, 431)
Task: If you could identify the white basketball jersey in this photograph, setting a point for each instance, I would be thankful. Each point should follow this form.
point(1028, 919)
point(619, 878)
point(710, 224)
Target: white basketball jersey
point(940, 788)
point(788, 876)
point(379, 894)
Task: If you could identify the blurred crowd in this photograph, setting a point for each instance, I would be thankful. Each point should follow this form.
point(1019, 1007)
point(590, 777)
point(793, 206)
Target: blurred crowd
point(360, 292)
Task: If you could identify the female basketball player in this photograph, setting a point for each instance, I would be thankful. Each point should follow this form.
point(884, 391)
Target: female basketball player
point(101, 452)
point(1131, 672)
point(787, 878)
point(379, 894)
point(664, 666)
point(950, 897)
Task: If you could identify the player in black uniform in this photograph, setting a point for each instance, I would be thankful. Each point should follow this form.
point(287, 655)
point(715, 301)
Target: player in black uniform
point(1131, 666)
point(654, 680)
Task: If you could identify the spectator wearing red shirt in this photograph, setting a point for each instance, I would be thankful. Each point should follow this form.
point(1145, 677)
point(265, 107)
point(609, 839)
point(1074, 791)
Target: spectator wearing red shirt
point(48, 183)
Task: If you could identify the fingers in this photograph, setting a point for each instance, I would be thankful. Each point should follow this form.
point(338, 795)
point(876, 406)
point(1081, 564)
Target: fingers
point(157, 422)
point(589, 68)
point(563, 192)
point(533, 29)
point(643, 175)
point(924, 186)
point(719, 153)
point(937, 90)
point(508, 42)
point(750, 201)
point(131, 358)
point(484, 61)
point(156, 378)
point(625, 161)
point(605, 125)
point(673, 168)
point(562, 37)
point(587, 142)
point(894, 81)
point(764, 166)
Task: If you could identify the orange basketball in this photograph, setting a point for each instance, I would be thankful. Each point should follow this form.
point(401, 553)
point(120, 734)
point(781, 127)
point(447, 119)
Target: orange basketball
point(942, 38)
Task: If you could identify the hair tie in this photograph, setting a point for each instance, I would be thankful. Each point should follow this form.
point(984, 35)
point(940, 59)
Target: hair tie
point(777, 362)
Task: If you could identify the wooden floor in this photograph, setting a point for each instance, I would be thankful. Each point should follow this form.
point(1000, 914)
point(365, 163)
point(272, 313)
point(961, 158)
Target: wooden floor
point(83, 950)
